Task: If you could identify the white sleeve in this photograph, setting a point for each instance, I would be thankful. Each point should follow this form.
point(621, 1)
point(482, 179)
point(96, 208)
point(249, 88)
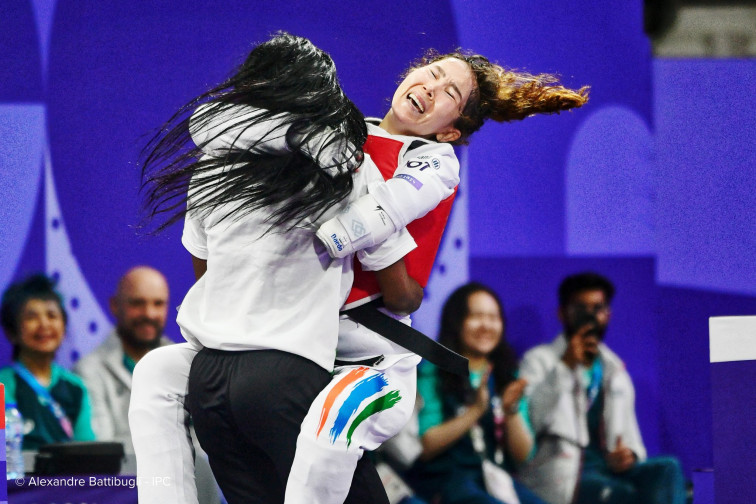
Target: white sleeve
point(423, 180)
point(387, 253)
point(194, 237)
point(241, 127)
point(426, 177)
point(553, 396)
point(237, 126)
point(620, 416)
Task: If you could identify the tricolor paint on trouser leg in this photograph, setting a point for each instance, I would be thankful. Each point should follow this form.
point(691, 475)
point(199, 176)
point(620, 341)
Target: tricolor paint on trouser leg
point(343, 383)
point(362, 390)
point(352, 399)
point(382, 403)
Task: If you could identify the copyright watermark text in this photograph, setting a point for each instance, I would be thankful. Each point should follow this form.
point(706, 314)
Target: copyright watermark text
point(92, 481)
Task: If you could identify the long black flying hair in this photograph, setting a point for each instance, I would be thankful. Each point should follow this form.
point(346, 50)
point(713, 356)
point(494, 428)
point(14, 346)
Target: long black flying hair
point(286, 74)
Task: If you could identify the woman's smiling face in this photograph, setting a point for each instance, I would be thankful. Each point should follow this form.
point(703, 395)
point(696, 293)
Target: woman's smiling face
point(41, 327)
point(483, 327)
point(430, 99)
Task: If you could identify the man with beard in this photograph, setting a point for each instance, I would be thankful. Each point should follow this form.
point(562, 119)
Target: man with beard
point(581, 403)
point(140, 307)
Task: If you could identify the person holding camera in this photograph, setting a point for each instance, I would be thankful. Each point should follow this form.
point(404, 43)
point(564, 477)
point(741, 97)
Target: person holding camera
point(581, 404)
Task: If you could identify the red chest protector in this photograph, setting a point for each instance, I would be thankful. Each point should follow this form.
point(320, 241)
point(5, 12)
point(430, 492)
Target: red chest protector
point(427, 231)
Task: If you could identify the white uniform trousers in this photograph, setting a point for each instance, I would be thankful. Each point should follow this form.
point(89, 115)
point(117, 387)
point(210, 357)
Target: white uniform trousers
point(159, 427)
point(359, 409)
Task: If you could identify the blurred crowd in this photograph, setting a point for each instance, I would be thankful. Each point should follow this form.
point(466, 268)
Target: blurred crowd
point(557, 425)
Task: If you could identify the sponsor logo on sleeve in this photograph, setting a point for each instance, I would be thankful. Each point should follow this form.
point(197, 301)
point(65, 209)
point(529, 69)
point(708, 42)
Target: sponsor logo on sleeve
point(358, 228)
point(423, 163)
point(337, 242)
point(412, 180)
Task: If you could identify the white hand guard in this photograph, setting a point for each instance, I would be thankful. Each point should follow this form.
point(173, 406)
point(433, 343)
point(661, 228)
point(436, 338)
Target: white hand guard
point(362, 224)
point(417, 187)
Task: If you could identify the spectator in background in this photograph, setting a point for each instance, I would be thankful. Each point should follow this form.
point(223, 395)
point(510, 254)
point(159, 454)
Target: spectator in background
point(140, 308)
point(464, 421)
point(582, 408)
point(53, 402)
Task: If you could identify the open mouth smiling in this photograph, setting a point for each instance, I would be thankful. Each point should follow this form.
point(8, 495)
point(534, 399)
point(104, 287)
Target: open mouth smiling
point(416, 102)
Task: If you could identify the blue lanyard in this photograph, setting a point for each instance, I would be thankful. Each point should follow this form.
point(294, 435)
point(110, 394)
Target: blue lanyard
point(44, 397)
point(596, 376)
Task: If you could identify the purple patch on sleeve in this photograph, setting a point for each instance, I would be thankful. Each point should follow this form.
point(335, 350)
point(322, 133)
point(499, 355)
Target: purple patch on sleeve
point(412, 180)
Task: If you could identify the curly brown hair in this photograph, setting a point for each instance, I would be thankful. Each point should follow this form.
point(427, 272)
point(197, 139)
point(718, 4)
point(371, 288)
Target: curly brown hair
point(505, 95)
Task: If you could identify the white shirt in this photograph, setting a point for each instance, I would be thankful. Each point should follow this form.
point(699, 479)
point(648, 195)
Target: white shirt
point(279, 290)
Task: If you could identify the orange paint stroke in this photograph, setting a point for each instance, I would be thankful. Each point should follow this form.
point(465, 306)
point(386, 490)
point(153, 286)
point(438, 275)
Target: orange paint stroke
point(350, 377)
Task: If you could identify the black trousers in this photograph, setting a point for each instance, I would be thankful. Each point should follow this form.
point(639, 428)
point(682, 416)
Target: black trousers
point(247, 409)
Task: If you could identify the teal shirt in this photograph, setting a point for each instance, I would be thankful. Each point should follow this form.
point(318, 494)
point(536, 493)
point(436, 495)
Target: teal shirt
point(40, 423)
point(437, 410)
point(129, 363)
point(594, 453)
point(432, 412)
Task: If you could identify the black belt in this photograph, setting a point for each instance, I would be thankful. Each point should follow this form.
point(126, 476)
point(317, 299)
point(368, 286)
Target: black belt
point(370, 362)
point(409, 338)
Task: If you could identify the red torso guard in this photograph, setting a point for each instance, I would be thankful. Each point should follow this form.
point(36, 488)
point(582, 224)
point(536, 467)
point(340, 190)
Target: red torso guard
point(427, 231)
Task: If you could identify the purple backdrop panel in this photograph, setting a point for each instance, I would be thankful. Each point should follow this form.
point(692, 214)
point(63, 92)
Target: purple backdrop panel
point(516, 183)
point(733, 407)
point(22, 128)
point(20, 75)
point(528, 288)
point(706, 175)
point(683, 334)
point(703, 486)
point(609, 186)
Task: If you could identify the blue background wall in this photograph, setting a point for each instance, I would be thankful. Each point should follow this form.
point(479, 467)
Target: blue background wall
point(651, 183)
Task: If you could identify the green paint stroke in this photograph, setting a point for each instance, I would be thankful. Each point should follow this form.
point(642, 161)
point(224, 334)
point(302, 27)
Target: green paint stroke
point(380, 404)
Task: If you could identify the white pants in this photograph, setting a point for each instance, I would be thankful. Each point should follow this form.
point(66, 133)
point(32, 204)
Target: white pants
point(359, 409)
point(159, 427)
